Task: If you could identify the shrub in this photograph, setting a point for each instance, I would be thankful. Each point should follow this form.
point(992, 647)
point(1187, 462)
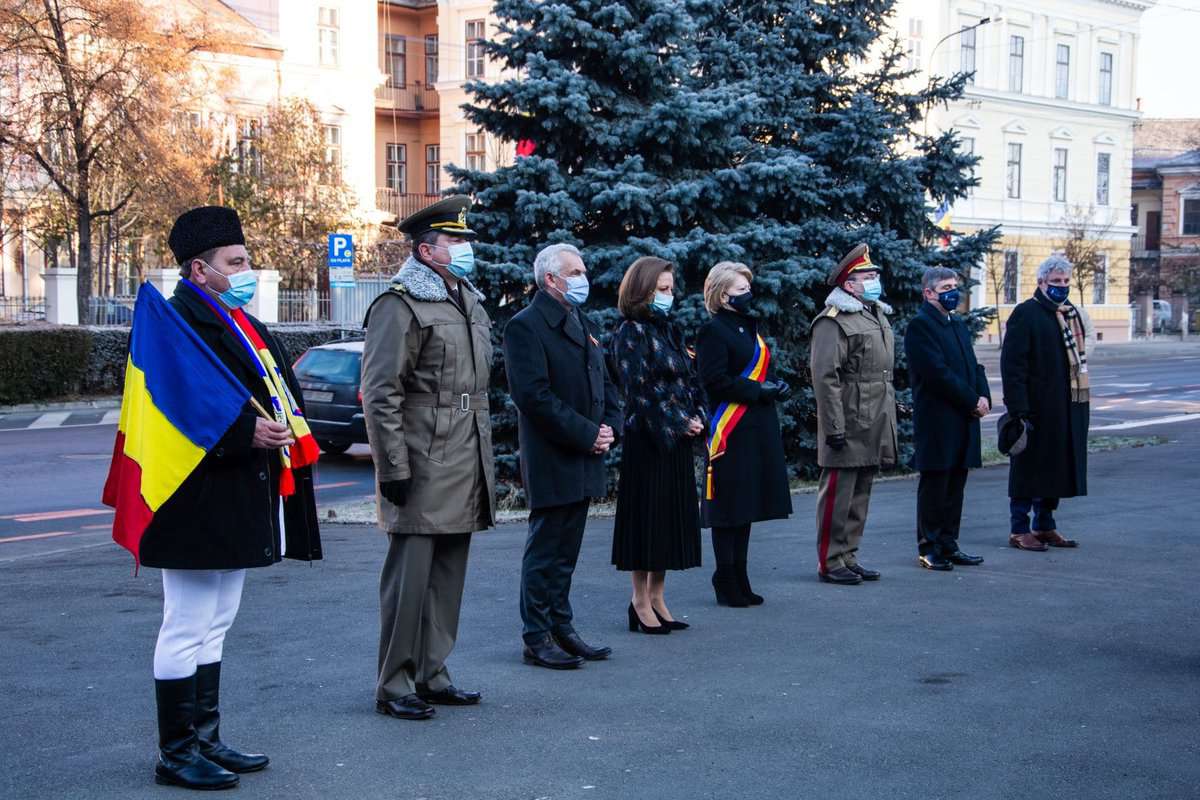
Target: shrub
point(42, 362)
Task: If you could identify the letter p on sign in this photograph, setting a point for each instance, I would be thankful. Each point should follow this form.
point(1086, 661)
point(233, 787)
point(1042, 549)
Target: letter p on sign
point(341, 250)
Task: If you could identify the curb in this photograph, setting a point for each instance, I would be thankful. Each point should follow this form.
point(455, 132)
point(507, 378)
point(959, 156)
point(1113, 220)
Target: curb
point(95, 404)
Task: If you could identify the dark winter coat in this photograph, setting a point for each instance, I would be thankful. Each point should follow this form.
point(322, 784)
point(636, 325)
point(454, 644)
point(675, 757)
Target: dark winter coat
point(225, 515)
point(1037, 386)
point(656, 374)
point(560, 385)
point(947, 383)
point(750, 480)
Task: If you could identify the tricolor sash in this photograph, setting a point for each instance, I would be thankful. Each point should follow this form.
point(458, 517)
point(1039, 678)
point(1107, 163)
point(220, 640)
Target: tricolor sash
point(283, 404)
point(727, 415)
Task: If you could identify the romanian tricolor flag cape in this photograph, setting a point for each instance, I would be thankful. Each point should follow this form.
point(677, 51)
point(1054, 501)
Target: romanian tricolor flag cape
point(179, 401)
point(727, 415)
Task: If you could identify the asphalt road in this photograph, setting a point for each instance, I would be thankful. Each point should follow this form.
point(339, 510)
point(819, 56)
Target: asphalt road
point(1068, 674)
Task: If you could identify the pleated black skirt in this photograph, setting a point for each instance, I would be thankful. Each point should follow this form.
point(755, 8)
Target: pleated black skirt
point(658, 516)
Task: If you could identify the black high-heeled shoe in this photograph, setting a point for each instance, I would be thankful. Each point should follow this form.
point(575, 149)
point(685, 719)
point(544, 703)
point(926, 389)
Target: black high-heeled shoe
point(636, 624)
point(673, 624)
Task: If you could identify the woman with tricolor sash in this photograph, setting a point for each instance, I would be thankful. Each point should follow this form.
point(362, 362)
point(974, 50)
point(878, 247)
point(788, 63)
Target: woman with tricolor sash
point(658, 524)
point(746, 477)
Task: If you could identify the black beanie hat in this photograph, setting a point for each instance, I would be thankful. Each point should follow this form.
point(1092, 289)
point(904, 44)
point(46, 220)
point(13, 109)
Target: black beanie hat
point(203, 229)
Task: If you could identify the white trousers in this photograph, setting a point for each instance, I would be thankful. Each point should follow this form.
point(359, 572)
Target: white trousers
point(199, 605)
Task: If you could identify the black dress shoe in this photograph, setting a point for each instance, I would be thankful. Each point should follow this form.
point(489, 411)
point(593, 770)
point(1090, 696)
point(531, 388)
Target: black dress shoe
point(571, 644)
point(935, 562)
point(410, 706)
point(450, 696)
point(964, 560)
point(840, 575)
point(636, 624)
point(545, 653)
point(863, 572)
point(673, 624)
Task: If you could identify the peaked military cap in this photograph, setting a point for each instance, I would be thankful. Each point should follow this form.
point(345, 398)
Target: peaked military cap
point(202, 229)
point(857, 260)
point(447, 216)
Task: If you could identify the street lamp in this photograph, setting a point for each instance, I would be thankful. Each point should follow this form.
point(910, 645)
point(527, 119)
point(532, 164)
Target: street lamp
point(951, 35)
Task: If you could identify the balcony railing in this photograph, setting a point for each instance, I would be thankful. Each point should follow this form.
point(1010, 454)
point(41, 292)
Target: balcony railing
point(402, 205)
point(415, 98)
point(1144, 246)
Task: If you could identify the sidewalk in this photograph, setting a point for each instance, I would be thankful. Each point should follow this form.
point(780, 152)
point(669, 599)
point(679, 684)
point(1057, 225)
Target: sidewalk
point(989, 354)
point(1067, 674)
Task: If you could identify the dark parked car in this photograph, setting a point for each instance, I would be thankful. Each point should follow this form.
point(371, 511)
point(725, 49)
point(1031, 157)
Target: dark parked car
point(329, 376)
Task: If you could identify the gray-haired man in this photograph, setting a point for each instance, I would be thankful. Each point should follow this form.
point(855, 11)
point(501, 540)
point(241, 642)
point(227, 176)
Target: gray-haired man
point(568, 417)
point(1044, 367)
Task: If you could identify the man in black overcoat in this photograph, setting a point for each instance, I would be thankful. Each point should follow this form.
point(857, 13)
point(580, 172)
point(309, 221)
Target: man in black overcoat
point(1044, 368)
point(569, 415)
point(950, 395)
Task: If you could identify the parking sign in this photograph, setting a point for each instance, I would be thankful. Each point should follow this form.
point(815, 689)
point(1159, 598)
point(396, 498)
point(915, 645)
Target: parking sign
point(341, 259)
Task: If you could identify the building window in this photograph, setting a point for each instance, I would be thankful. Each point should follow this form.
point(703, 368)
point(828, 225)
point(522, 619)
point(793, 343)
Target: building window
point(1060, 174)
point(249, 159)
point(1100, 281)
point(1012, 276)
point(431, 59)
point(913, 51)
point(1016, 63)
point(1062, 71)
point(393, 55)
point(1133, 216)
point(1103, 161)
point(1106, 76)
point(968, 148)
point(476, 152)
point(1191, 218)
point(1013, 182)
point(327, 36)
point(475, 48)
point(433, 168)
point(397, 168)
point(967, 51)
point(331, 135)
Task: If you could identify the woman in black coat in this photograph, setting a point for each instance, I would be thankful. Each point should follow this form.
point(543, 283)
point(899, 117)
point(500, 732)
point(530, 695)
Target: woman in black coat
point(657, 526)
point(747, 478)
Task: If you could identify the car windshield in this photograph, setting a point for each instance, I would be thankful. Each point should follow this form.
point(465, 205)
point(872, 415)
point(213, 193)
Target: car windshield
point(329, 366)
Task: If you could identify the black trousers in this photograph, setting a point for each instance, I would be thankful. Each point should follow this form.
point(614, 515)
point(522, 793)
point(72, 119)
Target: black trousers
point(551, 550)
point(939, 510)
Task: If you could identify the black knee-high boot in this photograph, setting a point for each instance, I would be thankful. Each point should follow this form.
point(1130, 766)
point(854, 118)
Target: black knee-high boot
point(743, 549)
point(208, 724)
point(725, 579)
point(179, 759)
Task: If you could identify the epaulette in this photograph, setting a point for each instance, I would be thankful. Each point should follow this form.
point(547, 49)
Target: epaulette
point(829, 311)
point(398, 288)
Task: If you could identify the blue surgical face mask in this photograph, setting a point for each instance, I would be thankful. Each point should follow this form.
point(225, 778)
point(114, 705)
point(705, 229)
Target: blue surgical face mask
point(241, 288)
point(1057, 293)
point(662, 302)
point(872, 289)
point(949, 299)
point(577, 289)
point(462, 259)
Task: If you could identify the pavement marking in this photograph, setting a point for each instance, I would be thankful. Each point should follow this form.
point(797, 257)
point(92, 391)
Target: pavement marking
point(50, 420)
point(1145, 402)
point(111, 417)
point(1144, 423)
point(31, 536)
point(60, 551)
point(336, 485)
point(95, 527)
point(1128, 385)
point(49, 515)
point(1106, 408)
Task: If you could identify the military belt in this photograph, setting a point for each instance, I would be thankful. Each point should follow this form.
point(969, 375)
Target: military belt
point(462, 401)
point(879, 377)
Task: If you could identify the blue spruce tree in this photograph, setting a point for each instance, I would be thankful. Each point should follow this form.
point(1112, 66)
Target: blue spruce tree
point(751, 130)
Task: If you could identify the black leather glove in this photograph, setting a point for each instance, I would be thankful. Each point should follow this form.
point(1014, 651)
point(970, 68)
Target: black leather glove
point(772, 391)
point(395, 492)
point(785, 391)
point(836, 440)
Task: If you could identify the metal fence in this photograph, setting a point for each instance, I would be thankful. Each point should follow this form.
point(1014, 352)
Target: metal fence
point(22, 309)
point(110, 310)
point(344, 305)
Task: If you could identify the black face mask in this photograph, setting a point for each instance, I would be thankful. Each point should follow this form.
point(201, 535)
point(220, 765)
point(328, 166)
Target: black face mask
point(740, 302)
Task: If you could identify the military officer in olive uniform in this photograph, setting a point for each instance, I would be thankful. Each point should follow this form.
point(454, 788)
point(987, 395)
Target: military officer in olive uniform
point(425, 370)
point(852, 358)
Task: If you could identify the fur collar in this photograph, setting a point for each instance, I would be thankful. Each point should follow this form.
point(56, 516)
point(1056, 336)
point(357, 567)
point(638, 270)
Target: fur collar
point(842, 300)
point(424, 284)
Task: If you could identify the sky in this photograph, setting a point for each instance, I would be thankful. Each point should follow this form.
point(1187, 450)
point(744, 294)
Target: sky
point(1166, 67)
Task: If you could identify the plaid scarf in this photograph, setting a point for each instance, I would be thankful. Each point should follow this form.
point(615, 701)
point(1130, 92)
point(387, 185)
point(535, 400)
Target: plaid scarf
point(1073, 339)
